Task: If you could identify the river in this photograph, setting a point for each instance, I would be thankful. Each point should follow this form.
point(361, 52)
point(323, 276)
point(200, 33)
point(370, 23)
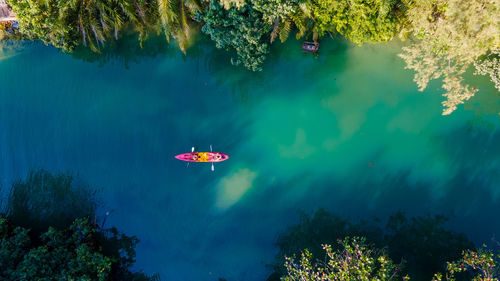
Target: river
point(346, 130)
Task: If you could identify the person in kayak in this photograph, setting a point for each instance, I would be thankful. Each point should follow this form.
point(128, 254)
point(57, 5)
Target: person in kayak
point(203, 157)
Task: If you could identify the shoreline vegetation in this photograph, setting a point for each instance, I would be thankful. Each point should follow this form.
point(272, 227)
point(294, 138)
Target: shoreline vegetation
point(447, 37)
point(49, 230)
point(417, 248)
point(354, 259)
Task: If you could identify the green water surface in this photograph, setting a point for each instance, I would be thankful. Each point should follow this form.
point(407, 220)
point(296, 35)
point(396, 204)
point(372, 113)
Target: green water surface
point(346, 130)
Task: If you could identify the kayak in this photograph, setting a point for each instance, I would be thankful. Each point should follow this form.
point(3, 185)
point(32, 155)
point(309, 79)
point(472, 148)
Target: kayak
point(202, 157)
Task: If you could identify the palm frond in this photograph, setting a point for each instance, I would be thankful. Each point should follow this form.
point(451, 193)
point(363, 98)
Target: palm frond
point(285, 29)
point(184, 20)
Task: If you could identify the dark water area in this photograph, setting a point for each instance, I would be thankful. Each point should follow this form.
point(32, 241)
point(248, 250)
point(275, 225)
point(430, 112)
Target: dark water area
point(347, 131)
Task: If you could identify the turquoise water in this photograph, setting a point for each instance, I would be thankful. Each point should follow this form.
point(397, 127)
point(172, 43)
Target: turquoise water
point(347, 131)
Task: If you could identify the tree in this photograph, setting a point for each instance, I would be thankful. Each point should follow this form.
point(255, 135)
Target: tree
point(482, 264)
point(361, 21)
point(68, 23)
point(490, 65)
point(49, 231)
point(275, 10)
point(451, 35)
point(281, 14)
point(423, 242)
point(355, 260)
point(62, 255)
point(175, 19)
point(228, 4)
point(242, 30)
point(44, 20)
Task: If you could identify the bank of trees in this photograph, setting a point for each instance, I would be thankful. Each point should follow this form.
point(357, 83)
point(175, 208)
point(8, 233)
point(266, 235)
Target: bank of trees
point(357, 260)
point(451, 36)
point(49, 231)
point(447, 37)
point(325, 247)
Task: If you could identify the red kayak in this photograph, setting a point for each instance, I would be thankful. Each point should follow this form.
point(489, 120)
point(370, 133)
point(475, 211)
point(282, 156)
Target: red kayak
point(202, 157)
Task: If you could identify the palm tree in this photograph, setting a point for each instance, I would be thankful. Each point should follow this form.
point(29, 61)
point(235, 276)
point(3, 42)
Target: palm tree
point(175, 19)
point(67, 23)
point(302, 17)
point(97, 20)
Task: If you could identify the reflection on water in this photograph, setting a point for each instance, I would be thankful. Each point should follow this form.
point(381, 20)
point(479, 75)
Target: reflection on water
point(10, 48)
point(346, 130)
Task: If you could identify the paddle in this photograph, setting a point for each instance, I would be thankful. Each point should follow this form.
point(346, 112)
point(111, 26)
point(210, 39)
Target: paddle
point(192, 150)
point(213, 169)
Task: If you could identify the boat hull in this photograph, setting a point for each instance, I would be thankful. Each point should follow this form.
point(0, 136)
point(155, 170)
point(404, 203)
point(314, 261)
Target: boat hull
point(202, 157)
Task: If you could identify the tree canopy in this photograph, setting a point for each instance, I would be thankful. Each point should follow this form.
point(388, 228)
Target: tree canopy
point(49, 231)
point(355, 260)
point(361, 21)
point(448, 36)
point(451, 36)
point(423, 241)
point(61, 255)
point(482, 264)
point(238, 29)
point(68, 23)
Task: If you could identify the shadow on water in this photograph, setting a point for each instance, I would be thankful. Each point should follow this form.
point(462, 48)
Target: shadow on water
point(286, 68)
point(44, 200)
point(284, 58)
point(127, 50)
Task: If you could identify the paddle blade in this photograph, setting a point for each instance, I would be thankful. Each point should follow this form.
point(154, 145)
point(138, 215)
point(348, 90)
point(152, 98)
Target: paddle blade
point(213, 169)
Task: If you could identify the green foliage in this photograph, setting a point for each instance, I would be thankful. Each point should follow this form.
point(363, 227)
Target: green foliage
point(354, 260)
point(242, 30)
point(121, 249)
point(452, 34)
point(422, 241)
point(275, 10)
point(277, 13)
point(60, 244)
point(14, 241)
point(483, 264)
point(44, 20)
point(490, 65)
point(312, 231)
point(228, 4)
point(360, 21)
point(68, 23)
point(175, 19)
point(71, 254)
point(303, 18)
